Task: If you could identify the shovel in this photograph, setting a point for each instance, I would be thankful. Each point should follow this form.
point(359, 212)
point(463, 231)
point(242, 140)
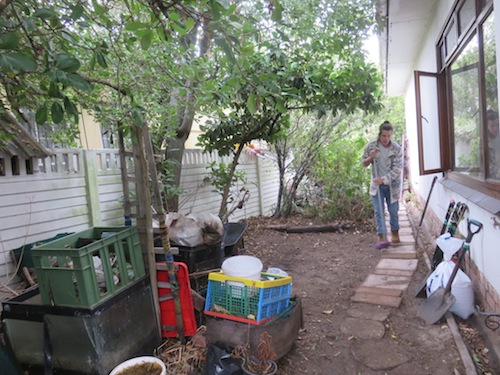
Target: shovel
point(439, 302)
point(456, 218)
point(420, 289)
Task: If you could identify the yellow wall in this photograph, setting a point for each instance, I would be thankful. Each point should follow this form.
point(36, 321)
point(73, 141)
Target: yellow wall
point(193, 136)
point(90, 131)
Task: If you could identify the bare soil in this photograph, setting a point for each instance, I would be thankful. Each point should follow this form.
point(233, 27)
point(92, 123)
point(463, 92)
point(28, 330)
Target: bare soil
point(326, 268)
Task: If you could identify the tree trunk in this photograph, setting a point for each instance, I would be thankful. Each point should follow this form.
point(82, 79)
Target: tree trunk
point(223, 211)
point(291, 194)
point(280, 157)
point(186, 111)
point(176, 146)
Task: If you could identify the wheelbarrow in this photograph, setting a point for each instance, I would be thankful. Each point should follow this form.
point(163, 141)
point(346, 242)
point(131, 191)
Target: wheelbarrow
point(232, 239)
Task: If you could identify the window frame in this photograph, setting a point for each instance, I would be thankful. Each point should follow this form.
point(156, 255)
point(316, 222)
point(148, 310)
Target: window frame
point(443, 130)
point(445, 109)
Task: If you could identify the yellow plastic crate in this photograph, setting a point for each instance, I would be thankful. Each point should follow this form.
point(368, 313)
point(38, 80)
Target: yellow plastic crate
point(247, 300)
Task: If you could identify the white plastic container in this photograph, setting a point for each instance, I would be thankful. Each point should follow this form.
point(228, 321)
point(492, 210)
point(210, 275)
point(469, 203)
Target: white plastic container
point(137, 361)
point(244, 266)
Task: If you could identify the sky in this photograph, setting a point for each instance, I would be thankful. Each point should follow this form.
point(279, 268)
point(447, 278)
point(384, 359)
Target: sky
point(371, 46)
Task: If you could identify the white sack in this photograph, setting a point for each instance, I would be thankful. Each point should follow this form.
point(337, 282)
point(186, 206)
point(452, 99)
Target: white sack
point(461, 288)
point(184, 231)
point(211, 227)
point(449, 245)
point(195, 229)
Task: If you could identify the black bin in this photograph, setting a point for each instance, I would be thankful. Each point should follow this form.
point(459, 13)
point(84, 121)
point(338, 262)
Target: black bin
point(81, 340)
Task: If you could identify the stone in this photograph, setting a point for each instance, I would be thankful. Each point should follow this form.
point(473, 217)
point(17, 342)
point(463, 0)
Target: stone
point(379, 355)
point(363, 328)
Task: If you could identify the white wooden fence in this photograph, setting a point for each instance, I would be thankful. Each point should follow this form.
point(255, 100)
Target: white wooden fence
point(77, 189)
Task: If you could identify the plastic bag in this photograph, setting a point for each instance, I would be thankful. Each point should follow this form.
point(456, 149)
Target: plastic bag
point(195, 229)
point(220, 362)
point(461, 288)
point(449, 245)
point(276, 271)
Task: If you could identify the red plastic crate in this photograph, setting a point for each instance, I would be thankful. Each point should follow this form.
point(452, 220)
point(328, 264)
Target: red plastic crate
point(167, 307)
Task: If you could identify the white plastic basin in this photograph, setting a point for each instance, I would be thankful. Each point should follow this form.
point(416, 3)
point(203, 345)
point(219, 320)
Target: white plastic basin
point(137, 361)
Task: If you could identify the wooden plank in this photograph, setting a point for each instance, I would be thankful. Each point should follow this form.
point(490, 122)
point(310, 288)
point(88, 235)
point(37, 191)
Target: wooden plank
point(376, 299)
point(198, 301)
point(393, 272)
point(380, 291)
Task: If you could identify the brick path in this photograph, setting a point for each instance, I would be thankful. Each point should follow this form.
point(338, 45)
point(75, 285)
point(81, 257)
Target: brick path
point(393, 273)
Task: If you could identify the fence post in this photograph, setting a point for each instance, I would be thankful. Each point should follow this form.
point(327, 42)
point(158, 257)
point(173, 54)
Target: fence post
point(260, 186)
point(92, 186)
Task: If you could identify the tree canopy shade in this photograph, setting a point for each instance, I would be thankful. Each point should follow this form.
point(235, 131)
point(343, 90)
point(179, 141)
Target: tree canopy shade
point(244, 63)
point(295, 64)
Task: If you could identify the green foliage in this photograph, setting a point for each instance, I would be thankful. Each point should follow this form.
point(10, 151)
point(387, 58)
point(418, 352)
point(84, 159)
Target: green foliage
point(166, 179)
point(221, 177)
point(40, 69)
point(306, 58)
point(129, 63)
point(345, 182)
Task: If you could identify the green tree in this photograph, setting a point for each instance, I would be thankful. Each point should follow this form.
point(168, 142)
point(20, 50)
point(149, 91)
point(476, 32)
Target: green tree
point(296, 153)
point(311, 65)
point(127, 62)
point(157, 63)
point(308, 155)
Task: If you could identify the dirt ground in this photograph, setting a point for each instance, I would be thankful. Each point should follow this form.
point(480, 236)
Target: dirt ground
point(326, 268)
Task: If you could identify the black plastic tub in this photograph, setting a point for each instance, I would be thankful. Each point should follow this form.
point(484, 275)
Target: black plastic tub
point(69, 340)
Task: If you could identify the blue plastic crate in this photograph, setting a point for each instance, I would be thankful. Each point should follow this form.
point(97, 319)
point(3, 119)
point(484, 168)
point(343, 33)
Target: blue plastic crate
point(247, 300)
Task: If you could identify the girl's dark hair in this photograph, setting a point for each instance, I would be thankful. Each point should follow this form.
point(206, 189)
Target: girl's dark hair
point(386, 125)
point(491, 114)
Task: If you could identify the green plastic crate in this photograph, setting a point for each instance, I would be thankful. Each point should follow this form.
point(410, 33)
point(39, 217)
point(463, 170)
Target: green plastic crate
point(68, 269)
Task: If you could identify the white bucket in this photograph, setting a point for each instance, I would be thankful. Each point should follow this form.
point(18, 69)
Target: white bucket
point(137, 361)
point(244, 266)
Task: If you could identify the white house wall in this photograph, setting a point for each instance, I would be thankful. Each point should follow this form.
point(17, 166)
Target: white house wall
point(484, 247)
point(426, 61)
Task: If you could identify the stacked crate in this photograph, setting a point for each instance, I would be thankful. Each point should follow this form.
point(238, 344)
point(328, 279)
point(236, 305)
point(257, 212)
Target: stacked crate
point(247, 300)
point(85, 268)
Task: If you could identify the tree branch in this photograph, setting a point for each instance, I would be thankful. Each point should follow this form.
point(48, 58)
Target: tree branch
point(106, 83)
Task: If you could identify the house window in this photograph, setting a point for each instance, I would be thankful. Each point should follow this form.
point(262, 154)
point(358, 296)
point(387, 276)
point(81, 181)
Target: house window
point(464, 82)
point(474, 105)
point(450, 37)
point(466, 14)
point(492, 136)
point(457, 107)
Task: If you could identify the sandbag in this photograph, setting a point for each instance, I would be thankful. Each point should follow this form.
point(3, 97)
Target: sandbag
point(211, 227)
point(195, 229)
point(461, 288)
point(449, 245)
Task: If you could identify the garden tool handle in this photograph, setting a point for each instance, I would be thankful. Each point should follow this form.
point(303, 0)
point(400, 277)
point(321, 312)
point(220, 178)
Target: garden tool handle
point(470, 231)
point(465, 247)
